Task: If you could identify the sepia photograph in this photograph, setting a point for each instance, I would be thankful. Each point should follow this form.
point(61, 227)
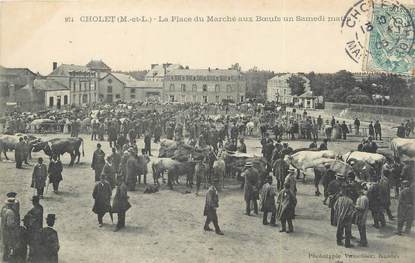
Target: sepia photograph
point(207, 131)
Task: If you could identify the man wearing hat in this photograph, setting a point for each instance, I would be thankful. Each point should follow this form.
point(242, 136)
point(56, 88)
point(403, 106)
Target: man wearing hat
point(102, 196)
point(343, 212)
point(242, 146)
point(19, 153)
point(50, 241)
point(33, 221)
point(405, 208)
point(362, 207)
point(268, 202)
point(120, 204)
point(55, 172)
point(147, 143)
point(15, 205)
point(39, 175)
point(286, 208)
point(98, 162)
point(323, 145)
point(333, 190)
point(251, 176)
point(9, 227)
point(374, 194)
point(211, 205)
point(291, 181)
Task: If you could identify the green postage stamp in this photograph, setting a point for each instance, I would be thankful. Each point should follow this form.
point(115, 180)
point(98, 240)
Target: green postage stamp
point(390, 43)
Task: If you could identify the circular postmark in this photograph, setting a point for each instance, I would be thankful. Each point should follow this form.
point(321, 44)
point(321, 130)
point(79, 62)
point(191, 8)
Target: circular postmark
point(391, 42)
point(355, 26)
point(381, 34)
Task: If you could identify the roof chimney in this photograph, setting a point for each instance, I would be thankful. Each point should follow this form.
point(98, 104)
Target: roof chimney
point(209, 69)
point(54, 65)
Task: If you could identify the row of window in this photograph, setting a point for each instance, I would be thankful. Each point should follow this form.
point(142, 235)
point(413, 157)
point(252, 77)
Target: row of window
point(184, 88)
point(58, 101)
point(205, 78)
point(204, 98)
point(83, 98)
point(84, 85)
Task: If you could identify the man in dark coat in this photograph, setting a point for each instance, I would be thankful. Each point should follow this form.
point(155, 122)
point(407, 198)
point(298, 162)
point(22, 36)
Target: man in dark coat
point(98, 162)
point(102, 196)
point(280, 172)
point(55, 173)
point(343, 211)
point(242, 146)
point(19, 153)
point(131, 170)
point(33, 221)
point(268, 202)
point(376, 204)
point(333, 190)
point(405, 208)
point(120, 204)
point(345, 130)
point(211, 204)
point(147, 143)
point(8, 228)
point(121, 140)
point(378, 130)
point(251, 176)
point(50, 241)
point(116, 160)
point(371, 129)
point(286, 208)
point(112, 135)
point(39, 175)
point(323, 145)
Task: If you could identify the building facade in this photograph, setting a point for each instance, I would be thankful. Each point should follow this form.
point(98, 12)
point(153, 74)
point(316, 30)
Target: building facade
point(12, 80)
point(43, 94)
point(111, 88)
point(279, 90)
point(204, 86)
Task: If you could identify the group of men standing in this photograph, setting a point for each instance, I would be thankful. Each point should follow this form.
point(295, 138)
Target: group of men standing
point(31, 241)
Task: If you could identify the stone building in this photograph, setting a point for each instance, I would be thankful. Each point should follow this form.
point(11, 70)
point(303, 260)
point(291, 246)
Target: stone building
point(279, 90)
point(12, 80)
point(140, 91)
point(204, 85)
point(43, 94)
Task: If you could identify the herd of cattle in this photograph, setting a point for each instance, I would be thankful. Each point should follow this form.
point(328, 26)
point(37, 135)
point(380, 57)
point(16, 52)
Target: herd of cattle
point(302, 160)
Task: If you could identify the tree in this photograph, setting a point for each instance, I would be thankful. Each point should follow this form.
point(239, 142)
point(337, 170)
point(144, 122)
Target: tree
point(297, 85)
point(256, 82)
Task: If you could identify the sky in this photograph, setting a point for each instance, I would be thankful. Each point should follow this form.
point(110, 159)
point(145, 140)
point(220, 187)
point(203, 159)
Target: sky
point(34, 34)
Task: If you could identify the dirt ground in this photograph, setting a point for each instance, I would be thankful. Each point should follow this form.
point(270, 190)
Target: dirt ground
point(168, 226)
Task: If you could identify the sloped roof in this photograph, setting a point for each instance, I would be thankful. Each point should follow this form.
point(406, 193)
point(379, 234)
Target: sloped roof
point(48, 85)
point(65, 69)
point(14, 71)
point(126, 79)
point(97, 65)
point(204, 72)
point(307, 94)
point(158, 70)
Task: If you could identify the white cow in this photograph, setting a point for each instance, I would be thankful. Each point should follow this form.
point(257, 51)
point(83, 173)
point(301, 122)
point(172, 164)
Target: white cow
point(309, 159)
point(373, 159)
point(403, 148)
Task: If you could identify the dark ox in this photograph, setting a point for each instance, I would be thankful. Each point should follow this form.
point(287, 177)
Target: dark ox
point(60, 146)
point(8, 143)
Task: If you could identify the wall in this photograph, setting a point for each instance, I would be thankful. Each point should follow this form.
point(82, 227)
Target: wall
point(55, 95)
point(216, 91)
point(117, 89)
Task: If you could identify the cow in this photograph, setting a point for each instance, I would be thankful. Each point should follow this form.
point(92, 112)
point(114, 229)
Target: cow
point(374, 159)
point(8, 143)
point(60, 146)
point(304, 160)
point(403, 147)
point(174, 169)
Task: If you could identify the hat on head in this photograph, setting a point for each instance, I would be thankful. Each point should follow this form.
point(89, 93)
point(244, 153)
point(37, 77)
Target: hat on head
point(248, 164)
point(340, 176)
point(98, 145)
point(11, 195)
point(35, 198)
point(405, 182)
point(51, 217)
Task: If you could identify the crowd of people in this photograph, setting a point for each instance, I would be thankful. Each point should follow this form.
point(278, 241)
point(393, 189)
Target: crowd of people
point(349, 200)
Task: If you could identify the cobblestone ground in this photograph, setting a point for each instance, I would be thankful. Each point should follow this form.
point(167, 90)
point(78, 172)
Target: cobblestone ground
point(168, 226)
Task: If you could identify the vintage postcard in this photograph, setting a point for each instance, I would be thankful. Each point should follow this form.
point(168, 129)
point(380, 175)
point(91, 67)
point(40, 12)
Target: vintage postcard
point(207, 131)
